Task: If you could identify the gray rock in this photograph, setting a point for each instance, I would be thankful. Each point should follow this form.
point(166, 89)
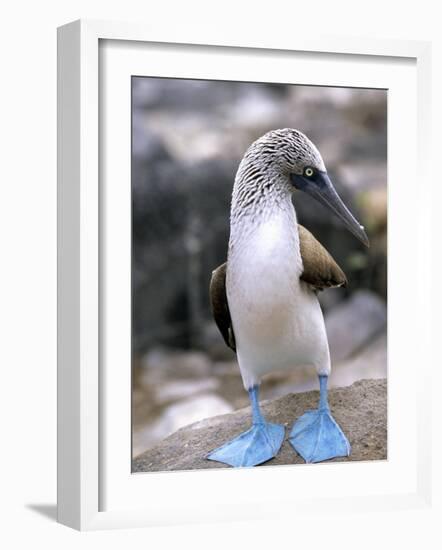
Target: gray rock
point(353, 323)
point(226, 368)
point(213, 343)
point(170, 94)
point(176, 416)
point(360, 409)
point(370, 362)
point(146, 146)
point(180, 389)
point(329, 300)
point(160, 365)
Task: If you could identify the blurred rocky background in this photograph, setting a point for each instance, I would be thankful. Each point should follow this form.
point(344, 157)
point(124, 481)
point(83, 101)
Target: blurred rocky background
point(187, 140)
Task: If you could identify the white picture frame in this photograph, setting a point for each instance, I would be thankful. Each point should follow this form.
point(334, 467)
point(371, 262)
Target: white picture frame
point(95, 487)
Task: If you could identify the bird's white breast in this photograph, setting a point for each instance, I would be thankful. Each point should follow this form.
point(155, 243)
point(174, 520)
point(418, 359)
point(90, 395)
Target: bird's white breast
point(277, 320)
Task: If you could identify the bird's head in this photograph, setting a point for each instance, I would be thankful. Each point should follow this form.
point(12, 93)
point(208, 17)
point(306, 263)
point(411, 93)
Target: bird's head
point(299, 163)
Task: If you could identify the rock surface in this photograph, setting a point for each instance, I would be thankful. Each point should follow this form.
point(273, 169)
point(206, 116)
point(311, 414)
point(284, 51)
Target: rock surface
point(360, 409)
point(178, 414)
point(160, 364)
point(353, 323)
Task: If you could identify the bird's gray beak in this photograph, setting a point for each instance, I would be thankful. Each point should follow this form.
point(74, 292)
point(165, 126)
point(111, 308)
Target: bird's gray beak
point(320, 187)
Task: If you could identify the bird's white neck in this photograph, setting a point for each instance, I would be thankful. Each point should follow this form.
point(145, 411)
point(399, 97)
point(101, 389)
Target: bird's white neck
point(266, 232)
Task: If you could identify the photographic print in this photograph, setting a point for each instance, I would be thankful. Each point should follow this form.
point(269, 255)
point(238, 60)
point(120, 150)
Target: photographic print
point(259, 274)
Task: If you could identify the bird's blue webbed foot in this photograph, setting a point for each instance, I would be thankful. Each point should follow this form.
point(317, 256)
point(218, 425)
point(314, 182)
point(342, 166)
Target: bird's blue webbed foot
point(258, 444)
point(316, 435)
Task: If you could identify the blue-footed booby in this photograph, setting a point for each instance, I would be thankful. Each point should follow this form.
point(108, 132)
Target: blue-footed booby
point(264, 298)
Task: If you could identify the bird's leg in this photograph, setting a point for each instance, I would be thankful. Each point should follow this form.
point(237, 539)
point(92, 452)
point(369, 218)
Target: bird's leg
point(257, 445)
point(316, 435)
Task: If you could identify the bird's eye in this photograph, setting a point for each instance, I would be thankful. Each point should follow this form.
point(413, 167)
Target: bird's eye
point(308, 172)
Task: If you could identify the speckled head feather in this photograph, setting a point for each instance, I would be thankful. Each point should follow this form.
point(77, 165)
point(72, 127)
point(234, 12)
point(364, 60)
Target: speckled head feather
point(286, 150)
point(263, 174)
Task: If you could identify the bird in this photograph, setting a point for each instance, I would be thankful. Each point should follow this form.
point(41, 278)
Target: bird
point(264, 298)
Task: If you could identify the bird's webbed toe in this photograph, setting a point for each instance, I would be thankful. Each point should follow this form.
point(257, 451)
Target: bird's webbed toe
point(316, 436)
point(257, 445)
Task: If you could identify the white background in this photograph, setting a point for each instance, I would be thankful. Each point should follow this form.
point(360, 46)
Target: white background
point(28, 277)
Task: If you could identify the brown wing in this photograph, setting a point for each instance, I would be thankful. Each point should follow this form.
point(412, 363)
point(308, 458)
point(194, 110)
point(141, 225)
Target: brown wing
point(220, 306)
point(320, 269)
